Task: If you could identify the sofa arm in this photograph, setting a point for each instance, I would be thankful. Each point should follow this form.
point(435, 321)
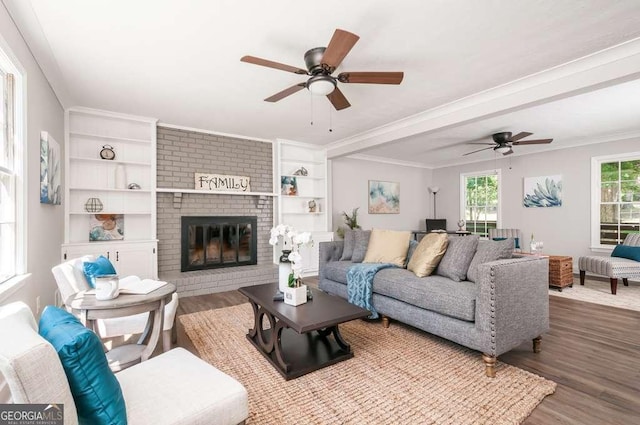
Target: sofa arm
point(329, 251)
point(513, 302)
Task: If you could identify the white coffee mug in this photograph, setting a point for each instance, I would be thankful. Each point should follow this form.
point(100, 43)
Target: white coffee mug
point(107, 287)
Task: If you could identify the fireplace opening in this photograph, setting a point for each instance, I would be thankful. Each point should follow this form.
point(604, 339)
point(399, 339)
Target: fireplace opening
point(213, 242)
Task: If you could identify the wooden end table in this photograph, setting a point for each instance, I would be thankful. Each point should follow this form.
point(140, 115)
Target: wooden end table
point(560, 271)
point(89, 310)
point(297, 341)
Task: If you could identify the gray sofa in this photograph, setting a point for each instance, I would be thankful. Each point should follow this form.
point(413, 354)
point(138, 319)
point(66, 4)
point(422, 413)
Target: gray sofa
point(508, 304)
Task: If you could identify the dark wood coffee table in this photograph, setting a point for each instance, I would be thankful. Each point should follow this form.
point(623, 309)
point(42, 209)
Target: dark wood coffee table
point(290, 343)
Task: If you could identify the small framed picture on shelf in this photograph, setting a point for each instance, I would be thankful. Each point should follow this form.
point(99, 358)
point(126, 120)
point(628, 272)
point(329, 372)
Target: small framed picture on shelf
point(288, 186)
point(106, 227)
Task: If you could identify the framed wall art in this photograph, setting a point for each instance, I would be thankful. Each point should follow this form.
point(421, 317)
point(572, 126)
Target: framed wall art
point(542, 192)
point(384, 197)
point(106, 227)
point(50, 163)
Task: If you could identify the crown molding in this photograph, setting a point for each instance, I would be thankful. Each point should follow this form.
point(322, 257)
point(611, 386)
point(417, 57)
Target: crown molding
point(120, 115)
point(607, 67)
point(214, 133)
point(379, 159)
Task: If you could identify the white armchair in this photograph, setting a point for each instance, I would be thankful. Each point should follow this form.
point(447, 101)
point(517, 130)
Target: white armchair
point(70, 279)
point(173, 388)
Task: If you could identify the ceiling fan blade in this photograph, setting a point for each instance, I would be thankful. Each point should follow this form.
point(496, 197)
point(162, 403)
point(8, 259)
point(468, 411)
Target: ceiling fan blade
point(481, 143)
point(533, 142)
point(340, 45)
point(371, 77)
point(338, 100)
point(519, 136)
point(479, 150)
point(286, 92)
point(271, 64)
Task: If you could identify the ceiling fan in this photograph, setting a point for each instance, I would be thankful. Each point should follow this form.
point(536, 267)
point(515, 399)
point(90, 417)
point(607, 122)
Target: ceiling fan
point(503, 142)
point(321, 62)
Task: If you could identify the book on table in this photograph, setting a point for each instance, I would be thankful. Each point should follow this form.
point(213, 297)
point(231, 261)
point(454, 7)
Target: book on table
point(135, 285)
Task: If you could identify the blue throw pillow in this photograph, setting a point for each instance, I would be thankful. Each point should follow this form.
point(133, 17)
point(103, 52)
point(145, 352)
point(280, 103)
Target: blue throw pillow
point(626, 251)
point(100, 267)
point(94, 387)
point(499, 239)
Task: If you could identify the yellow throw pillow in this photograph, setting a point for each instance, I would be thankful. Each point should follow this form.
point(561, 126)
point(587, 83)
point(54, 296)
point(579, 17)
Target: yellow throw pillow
point(428, 254)
point(388, 246)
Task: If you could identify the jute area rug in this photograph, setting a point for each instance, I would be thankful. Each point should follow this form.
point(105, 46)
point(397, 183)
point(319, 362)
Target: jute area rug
point(599, 292)
point(398, 376)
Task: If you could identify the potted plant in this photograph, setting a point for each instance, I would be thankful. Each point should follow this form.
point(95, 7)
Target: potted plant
point(290, 267)
point(351, 221)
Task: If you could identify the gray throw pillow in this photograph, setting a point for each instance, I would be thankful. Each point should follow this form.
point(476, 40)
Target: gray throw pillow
point(349, 242)
point(413, 244)
point(360, 246)
point(456, 260)
point(489, 251)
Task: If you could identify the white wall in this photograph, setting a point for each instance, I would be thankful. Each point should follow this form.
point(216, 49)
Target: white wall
point(349, 183)
point(44, 224)
point(564, 230)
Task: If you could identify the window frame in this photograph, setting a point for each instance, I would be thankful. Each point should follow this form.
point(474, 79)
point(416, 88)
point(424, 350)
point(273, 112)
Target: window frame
point(463, 192)
point(596, 162)
point(10, 65)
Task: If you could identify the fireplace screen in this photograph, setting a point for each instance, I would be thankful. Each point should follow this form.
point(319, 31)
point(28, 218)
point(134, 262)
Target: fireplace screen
point(212, 242)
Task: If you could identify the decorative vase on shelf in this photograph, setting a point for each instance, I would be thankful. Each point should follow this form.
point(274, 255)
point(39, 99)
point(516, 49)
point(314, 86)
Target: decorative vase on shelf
point(284, 270)
point(120, 177)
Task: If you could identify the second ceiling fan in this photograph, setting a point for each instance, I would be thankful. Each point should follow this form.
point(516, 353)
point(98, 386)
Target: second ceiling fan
point(503, 142)
point(321, 62)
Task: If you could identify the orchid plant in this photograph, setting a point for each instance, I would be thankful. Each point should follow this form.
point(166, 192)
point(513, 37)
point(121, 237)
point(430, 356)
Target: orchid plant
point(291, 241)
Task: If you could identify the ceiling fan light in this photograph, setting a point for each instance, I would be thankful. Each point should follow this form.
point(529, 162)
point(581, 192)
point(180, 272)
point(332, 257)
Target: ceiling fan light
point(502, 149)
point(321, 85)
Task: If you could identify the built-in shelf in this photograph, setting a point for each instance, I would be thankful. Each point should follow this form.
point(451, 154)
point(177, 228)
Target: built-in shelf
point(87, 176)
point(293, 209)
point(302, 197)
point(303, 177)
point(110, 161)
point(213, 192)
point(304, 161)
point(109, 211)
point(105, 189)
point(112, 138)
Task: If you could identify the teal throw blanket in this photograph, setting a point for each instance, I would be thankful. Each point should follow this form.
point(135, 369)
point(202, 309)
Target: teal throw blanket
point(360, 283)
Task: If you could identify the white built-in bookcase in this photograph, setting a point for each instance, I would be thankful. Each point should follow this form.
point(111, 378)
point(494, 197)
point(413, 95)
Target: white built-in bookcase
point(133, 140)
point(294, 209)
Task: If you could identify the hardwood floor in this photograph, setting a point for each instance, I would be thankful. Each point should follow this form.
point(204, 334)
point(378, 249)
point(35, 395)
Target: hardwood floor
point(592, 352)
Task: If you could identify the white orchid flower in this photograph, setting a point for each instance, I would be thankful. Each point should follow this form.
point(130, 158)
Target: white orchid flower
point(303, 238)
point(295, 257)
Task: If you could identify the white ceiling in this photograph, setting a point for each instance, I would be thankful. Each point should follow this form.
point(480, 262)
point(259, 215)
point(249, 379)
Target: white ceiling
point(179, 61)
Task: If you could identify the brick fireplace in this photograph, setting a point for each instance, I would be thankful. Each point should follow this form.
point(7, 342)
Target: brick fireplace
point(181, 153)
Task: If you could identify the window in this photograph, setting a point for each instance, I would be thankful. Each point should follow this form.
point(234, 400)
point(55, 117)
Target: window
point(615, 205)
point(8, 175)
point(480, 201)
